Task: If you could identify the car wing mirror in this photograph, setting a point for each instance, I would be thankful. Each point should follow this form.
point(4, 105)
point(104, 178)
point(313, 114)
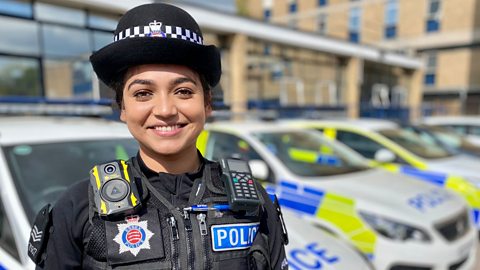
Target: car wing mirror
point(259, 169)
point(384, 156)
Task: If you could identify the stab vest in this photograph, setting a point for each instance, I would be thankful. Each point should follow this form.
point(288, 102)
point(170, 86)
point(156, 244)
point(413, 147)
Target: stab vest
point(160, 236)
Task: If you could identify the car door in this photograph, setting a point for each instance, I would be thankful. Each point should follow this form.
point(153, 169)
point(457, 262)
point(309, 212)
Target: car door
point(9, 255)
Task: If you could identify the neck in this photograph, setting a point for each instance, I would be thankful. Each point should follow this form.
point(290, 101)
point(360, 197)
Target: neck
point(174, 164)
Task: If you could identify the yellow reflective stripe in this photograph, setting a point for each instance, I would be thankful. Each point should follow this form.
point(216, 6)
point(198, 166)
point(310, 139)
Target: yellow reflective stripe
point(465, 189)
point(340, 211)
point(330, 133)
point(133, 199)
point(202, 140)
point(303, 155)
point(391, 167)
point(103, 207)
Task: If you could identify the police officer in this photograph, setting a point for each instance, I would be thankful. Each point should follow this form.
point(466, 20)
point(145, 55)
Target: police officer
point(167, 207)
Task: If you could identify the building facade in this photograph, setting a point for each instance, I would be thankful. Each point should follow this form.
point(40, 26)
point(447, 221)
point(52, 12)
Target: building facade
point(444, 33)
point(46, 44)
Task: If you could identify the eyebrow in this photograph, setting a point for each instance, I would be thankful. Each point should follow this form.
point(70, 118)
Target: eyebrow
point(181, 80)
point(140, 81)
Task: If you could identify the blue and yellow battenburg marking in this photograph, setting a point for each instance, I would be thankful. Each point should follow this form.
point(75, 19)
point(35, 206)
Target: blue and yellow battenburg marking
point(335, 209)
point(233, 236)
point(456, 184)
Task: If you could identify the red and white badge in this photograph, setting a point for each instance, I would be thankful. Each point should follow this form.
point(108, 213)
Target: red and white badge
point(133, 236)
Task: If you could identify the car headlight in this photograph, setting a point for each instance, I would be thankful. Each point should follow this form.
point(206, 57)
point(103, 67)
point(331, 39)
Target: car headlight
point(395, 230)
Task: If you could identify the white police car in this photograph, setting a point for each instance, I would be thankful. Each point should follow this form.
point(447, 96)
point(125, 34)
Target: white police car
point(399, 222)
point(41, 156)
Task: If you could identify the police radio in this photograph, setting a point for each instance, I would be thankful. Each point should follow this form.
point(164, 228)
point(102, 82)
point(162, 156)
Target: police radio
point(242, 193)
point(114, 191)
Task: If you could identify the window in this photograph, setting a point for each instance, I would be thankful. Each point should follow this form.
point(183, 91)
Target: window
point(100, 39)
point(60, 41)
point(322, 23)
point(354, 19)
point(19, 76)
point(267, 14)
point(322, 3)
point(103, 22)
point(76, 77)
point(430, 69)
point(57, 14)
point(363, 145)
point(433, 16)
point(17, 8)
point(19, 36)
point(292, 7)
point(391, 19)
point(7, 240)
point(474, 130)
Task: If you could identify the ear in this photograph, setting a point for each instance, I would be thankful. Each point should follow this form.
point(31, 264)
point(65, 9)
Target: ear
point(208, 110)
point(123, 116)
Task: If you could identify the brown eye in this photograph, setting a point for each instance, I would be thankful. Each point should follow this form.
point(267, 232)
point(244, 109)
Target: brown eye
point(184, 92)
point(142, 95)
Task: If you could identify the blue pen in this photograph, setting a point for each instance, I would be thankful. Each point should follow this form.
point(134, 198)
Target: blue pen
point(204, 207)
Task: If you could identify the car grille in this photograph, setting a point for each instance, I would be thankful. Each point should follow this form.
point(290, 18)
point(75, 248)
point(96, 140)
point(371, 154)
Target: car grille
point(457, 265)
point(454, 228)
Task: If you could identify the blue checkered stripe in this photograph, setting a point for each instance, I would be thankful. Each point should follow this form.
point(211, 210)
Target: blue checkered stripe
point(167, 31)
point(297, 197)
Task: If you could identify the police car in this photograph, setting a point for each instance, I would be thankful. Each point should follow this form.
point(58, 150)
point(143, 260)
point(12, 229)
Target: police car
point(468, 126)
point(41, 156)
point(399, 222)
point(405, 150)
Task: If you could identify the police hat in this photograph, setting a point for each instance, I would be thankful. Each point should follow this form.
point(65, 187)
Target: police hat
point(156, 33)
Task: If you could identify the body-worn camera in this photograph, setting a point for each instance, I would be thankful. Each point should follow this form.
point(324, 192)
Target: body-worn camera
point(114, 191)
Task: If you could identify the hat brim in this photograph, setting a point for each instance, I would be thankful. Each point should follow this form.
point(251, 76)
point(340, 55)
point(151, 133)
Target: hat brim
point(115, 58)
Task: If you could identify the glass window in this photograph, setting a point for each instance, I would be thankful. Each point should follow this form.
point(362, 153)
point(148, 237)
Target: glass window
point(292, 7)
point(17, 8)
point(104, 22)
point(363, 145)
point(267, 14)
point(58, 14)
point(433, 16)
point(391, 19)
point(354, 20)
point(307, 153)
point(421, 144)
point(40, 185)
point(430, 69)
point(223, 145)
point(474, 130)
point(76, 78)
point(101, 39)
point(62, 41)
point(7, 240)
point(322, 23)
point(19, 36)
point(19, 76)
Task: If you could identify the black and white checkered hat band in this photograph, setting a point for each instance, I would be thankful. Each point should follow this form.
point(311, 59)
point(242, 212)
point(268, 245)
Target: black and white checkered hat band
point(166, 31)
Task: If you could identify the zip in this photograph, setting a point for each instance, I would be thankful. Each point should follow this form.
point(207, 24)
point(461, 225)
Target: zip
point(202, 224)
point(174, 244)
point(190, 251)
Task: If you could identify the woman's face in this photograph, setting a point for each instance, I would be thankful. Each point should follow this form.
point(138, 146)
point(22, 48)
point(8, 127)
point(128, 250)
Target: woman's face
point(164, 109)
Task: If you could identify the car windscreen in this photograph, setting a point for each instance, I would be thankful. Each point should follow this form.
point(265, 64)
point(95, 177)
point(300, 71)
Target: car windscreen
point(453, 140)
point(308, 153)
point(41, 172)
point(422, 144)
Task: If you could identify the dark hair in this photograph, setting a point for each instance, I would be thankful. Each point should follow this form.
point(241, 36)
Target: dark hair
point(119, 84)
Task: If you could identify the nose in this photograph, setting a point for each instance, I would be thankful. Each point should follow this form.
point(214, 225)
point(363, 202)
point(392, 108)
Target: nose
point(165, 107)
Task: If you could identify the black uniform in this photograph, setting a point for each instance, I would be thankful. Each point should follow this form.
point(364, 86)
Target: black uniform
point(161, 236)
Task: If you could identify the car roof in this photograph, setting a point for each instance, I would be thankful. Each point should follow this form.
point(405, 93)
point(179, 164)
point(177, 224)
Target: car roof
point(243, 127)
point(446, 120)
point(39, 129)
point(369, 124)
